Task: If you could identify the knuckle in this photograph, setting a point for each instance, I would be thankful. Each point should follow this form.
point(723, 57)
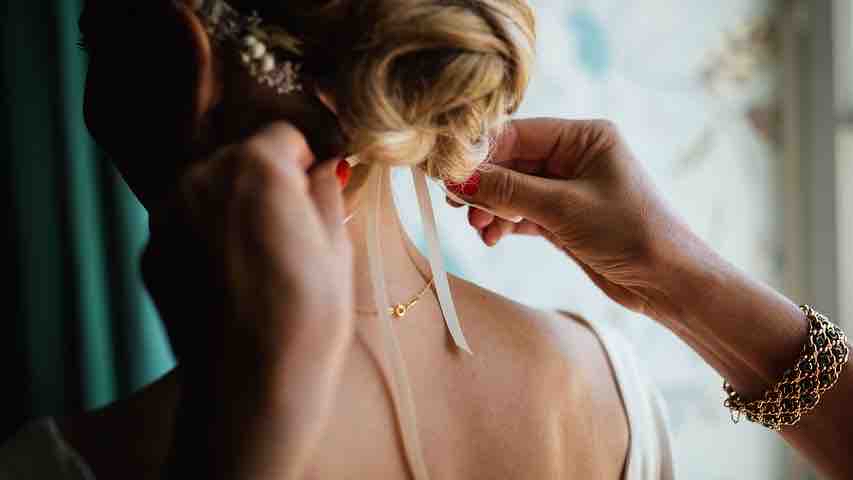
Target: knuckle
point(258, 173)
point(504, 189)
point(286, 132)
point(605, 133)
point(604, 126)
point(280, 142)
point(250, 151)
point(265, 162)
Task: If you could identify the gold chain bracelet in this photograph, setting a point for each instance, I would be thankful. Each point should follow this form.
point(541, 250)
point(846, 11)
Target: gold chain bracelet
point(816, 371)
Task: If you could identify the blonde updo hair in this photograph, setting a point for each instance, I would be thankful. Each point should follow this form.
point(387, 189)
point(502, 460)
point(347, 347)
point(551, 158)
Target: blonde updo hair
point(415, 81)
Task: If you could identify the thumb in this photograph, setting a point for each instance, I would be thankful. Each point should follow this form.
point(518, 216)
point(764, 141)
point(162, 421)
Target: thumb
point(509, 194)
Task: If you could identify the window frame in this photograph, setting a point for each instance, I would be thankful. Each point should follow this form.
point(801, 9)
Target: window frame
point(809, 174)
point(816, 40)
point(843, 44)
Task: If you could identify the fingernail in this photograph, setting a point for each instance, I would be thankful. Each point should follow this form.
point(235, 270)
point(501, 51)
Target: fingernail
point(472, 186)
point(483, 237)
point(343, 172)
point(467, 188)
point(453, 187)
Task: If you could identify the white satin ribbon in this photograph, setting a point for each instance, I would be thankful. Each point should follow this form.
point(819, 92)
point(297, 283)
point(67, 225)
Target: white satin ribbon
point(436, 261)
point(399, 386)
point(401, 393)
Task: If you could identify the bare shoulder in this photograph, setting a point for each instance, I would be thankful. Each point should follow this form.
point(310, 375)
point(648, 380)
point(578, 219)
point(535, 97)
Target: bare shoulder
point(540, 338)
point(561, 364)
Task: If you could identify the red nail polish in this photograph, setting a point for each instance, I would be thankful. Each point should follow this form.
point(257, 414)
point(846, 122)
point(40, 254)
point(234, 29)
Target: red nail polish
point(454, 187)
point(467, 188)
point(472, 186)
point(344, 172)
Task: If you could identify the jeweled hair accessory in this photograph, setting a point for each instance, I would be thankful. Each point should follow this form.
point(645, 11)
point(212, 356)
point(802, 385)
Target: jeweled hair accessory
point(267, 51)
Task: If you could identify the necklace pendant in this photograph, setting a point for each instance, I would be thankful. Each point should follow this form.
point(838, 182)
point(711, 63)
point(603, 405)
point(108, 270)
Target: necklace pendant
point(400, 310)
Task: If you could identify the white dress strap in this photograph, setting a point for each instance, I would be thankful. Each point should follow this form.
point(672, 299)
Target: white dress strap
point(393, 364)
point(650, 449)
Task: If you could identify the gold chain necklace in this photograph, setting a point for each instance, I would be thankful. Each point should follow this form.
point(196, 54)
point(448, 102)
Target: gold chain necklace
point(401, 309)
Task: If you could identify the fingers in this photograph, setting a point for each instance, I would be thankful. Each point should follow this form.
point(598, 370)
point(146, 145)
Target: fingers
point(553, 147)
point(496, 230)
point(479, 219)
point(492, 229)
point(253, 182)
point(512, 194)
point(268, 171)
point(281, 142)
point(537, 168)
point(326, 193)
point(528, 143)
point(526, 227)
point(500, 228)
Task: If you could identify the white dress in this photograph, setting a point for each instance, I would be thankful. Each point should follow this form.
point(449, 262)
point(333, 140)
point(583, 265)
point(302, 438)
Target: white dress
point(650, 453)
point(38, 451)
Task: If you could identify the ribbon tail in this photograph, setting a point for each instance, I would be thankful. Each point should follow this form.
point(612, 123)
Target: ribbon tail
point(401, 393)
point(436, 261)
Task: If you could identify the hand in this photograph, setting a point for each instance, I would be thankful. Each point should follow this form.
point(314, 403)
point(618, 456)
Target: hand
point(577, 184)
point(251, 268)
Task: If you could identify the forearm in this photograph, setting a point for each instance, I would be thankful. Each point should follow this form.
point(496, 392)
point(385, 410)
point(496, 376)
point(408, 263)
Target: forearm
point(751, 335)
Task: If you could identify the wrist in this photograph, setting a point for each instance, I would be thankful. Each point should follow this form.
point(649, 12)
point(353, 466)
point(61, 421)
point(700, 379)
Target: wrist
point(746, 330)
point(686, 274)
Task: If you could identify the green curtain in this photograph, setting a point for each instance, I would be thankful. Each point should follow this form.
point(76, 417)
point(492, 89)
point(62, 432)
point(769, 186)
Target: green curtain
point(80, 331)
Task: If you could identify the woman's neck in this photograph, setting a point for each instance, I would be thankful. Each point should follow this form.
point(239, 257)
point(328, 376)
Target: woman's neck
point(406, 270)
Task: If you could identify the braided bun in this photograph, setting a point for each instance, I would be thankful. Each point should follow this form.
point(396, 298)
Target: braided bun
point(415, 81)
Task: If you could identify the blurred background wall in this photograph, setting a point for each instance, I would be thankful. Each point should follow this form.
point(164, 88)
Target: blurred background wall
point(739, 108)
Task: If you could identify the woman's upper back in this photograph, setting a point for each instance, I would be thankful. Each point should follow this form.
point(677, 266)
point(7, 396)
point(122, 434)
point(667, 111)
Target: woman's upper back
point(576, 381)
point(545, 396)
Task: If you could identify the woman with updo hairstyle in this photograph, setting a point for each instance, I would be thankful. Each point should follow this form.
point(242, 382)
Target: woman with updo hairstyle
point(207, 114)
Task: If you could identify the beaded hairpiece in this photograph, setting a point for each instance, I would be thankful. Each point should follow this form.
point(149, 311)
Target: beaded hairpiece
point(265, 50)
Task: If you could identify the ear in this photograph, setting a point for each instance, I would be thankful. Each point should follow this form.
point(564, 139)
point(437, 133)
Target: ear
point(207, 88)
